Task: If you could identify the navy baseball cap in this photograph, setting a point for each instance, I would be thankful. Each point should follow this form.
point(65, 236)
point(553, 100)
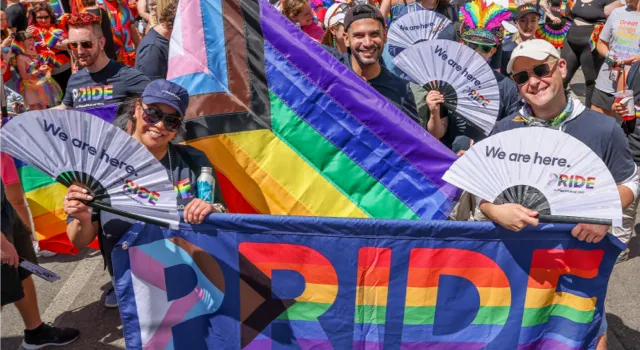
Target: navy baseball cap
point(164, 91)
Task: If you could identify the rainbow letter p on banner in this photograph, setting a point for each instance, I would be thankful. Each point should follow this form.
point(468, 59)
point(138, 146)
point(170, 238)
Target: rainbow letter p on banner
point(275, 282)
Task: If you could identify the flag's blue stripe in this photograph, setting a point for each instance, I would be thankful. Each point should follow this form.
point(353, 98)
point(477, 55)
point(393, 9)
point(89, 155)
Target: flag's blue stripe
point(365, 149)
point(472, 333)
point(564, 330)
point(368, 332)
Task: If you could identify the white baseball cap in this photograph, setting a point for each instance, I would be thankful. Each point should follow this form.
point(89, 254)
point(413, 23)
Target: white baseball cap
point(335, 14)
point(536, 49)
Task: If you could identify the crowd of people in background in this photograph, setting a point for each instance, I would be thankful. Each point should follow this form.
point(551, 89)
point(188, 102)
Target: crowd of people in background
point(97, 52)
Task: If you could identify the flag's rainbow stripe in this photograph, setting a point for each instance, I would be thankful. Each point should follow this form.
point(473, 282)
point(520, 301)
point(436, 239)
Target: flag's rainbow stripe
point(372, 289)
point(320, 289)
point(388, 158)
point(544, 304)
point(425, 268)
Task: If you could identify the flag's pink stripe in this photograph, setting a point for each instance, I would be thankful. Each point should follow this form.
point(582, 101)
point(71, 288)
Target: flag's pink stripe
point(147, 268)
point(194, 58)
point(176, 313)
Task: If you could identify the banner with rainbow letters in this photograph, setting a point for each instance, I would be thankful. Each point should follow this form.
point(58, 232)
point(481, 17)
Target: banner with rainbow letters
point(276, 282)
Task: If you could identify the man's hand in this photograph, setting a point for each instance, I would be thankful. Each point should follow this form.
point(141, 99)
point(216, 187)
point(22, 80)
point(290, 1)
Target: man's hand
point(8, 253)
point(511, 216)
point(589, 232)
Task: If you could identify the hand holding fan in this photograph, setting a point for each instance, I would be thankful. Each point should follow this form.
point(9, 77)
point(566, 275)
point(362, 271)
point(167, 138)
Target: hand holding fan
point(415, 27)
point(465, 79)
point(544, 170)
point(78, 148)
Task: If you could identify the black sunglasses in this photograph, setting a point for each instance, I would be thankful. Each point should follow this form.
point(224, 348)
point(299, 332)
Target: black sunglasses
point(153, 116)
point(540, 71)
point(43, 17)
point(86, 44)
point(485, 49)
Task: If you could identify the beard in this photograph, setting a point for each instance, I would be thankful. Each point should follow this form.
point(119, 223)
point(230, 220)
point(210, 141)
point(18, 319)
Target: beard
point(88, 60)
point(367, 61)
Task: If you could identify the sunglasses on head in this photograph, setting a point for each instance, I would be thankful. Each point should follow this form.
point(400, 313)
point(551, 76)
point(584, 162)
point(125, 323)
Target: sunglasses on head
point(85, 44)
point(540, 71)
point(153, 116)
point(485, 49)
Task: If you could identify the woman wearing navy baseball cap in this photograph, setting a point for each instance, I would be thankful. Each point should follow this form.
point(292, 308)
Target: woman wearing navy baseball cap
point(158, 116)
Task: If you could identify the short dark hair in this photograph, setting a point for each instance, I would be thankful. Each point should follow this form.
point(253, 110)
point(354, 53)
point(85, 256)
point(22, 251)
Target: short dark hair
point(23, 36)
point(168, 15)
point(363, 11)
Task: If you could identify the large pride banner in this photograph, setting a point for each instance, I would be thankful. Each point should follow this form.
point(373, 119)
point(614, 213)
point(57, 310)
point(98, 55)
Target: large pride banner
point(275, 282)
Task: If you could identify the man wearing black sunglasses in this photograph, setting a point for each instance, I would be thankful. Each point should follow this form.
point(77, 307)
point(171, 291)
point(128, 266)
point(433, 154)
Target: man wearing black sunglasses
point(102, 80)
point(537, 68)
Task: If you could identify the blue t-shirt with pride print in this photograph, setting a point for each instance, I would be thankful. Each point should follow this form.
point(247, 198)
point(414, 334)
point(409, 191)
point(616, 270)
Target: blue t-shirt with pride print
point(111, 85)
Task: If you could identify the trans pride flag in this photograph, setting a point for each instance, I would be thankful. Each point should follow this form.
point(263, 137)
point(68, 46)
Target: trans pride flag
point(290, 130)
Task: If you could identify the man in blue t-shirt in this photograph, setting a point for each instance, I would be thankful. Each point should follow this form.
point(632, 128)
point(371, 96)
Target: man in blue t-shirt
point(102, 81)
point(538, 70)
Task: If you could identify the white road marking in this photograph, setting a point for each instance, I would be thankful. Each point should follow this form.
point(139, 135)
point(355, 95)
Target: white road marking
point(69, 292)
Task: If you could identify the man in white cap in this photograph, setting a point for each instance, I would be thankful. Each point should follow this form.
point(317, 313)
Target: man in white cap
point(538, 70)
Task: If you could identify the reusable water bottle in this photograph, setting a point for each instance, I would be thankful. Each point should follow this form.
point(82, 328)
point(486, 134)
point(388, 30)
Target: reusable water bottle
point(206, 184)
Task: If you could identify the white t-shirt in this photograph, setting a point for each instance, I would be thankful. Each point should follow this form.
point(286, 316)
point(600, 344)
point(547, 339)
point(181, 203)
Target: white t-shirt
point(622, 32)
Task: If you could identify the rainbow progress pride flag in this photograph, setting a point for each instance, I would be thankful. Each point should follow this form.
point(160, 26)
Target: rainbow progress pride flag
point(258, 282)
point(292, 131)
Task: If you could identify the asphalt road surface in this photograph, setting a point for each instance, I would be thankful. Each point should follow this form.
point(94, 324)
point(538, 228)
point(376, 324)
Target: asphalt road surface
point(76, 300)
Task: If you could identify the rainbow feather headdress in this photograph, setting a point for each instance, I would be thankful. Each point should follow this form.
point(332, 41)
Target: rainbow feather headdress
point(482, 23)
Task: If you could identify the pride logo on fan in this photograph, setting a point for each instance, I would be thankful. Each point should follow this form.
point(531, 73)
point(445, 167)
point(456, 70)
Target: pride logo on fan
point(474, 95)
point(572, 181)
point(141, 192)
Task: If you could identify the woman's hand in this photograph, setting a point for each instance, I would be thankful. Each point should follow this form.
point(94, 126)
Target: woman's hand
point(43, 69)
point(31, 29)
point(434, 99)
point(197, 210)
point(74, 207)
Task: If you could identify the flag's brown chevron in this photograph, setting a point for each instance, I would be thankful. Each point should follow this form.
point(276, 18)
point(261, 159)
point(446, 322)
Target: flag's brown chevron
point(258, 307)
point(246, 106)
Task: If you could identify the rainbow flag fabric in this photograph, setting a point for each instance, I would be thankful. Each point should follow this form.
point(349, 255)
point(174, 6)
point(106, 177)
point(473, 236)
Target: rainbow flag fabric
point(282, 282)
point(292, 131)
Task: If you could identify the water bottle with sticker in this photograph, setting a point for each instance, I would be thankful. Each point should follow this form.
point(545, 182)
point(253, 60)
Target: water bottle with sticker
point(206, 184)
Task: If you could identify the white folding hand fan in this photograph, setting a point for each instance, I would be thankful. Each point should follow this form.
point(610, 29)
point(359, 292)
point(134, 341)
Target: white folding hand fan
point(415, 27)
point(75, 147)
point(465, 79)
point(543, 169)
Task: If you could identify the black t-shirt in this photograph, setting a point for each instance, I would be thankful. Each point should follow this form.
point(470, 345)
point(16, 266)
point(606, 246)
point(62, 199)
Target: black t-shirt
point(105, 24)
point(152, 55)
point(600, 133)
point(17, 17)
point(510, 102)
point(111, 85)
point(591, 11)
point(395, 89)
point(186, 164)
